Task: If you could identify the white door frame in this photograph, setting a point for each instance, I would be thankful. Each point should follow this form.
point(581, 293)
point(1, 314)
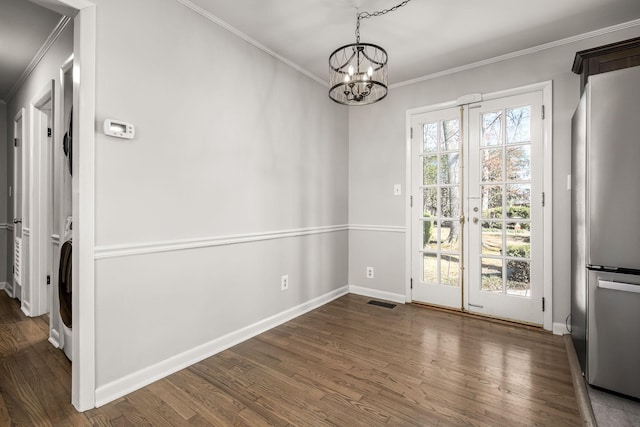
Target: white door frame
point(547, 98)
point(37, 199)
point(83, 182)
point(16, 288)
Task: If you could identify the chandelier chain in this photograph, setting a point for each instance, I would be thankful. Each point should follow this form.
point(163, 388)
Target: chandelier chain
point(367, 15)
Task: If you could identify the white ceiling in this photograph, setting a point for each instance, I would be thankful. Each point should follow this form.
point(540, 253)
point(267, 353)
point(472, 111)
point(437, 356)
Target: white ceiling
point(24, 27)
point(421, 38)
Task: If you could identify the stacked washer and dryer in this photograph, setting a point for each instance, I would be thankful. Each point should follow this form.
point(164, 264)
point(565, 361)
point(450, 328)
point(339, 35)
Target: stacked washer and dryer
point(64, 294)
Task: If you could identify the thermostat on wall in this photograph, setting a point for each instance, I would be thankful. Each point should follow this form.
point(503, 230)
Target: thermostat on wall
point(119, 129)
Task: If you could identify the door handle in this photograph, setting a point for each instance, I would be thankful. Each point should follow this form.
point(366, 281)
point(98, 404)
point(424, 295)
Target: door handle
point(619, 286)
point(475, 219)
point(16, 220)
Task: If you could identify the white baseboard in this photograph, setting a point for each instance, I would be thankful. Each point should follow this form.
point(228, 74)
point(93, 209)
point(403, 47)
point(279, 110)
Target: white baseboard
point(54, 338)
point(559, 328)
point(3, 285)
point(116, 389)
point(374, 293)
point(8, 289)
point(26, 308)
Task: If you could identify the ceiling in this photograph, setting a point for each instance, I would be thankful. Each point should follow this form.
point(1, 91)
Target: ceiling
point(422, 38)
point(24, 27)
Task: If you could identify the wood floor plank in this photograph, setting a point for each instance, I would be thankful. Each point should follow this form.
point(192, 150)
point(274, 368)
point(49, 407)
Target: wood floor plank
point(347, 363)
point(5, 420)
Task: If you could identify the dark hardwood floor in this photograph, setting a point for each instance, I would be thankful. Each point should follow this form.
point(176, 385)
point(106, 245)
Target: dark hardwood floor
point(347, 363)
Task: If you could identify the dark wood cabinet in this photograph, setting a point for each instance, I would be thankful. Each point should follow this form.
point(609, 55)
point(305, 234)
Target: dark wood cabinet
point(606, 58)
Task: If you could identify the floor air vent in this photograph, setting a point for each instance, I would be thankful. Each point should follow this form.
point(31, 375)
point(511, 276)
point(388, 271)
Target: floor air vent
point(381, 304)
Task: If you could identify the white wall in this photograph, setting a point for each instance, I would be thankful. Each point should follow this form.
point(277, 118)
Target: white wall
point(229, 141)
point(377, 160)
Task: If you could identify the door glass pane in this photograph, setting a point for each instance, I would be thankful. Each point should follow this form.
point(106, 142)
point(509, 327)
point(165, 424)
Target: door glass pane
point(450, 202)
point(492, 238)
point(491, 164)
point(430, 201)
point(518, 240)
point(492, 128)
point(450, 270)
point(519, 163)
point(518, 273)
point(518, 124)
point(429, 170)
point(492, 201)
point(450, 168)
point(518, 198)
point(450, 135)
point(491, 275)
point(430, 265)
point(430, 138)
point(430, 235)
point(450, 235)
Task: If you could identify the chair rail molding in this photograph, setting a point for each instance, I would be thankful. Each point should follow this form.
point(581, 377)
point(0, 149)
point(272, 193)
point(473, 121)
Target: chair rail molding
point(115, 251)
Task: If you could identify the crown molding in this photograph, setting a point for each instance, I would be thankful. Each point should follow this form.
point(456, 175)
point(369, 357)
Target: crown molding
point(53, 36)
point(523, 52)
point(233, 30)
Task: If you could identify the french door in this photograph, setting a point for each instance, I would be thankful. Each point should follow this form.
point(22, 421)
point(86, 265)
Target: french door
point(477, 227)
point(437, 208)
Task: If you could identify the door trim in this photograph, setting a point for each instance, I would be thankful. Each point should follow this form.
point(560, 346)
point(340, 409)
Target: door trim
point(37, 198)
point(83, 375)
point(20, 115)
point(546, 88)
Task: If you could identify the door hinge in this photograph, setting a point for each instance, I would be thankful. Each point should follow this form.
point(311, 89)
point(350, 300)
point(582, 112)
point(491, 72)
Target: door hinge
point(13, 266)
point(543, 199)
point(15, 142)
point(411, 201)
point(48, 279)
point(49, 132)
point(412, 283)
point(543, 112)
point(411, 133)
point(542, 303)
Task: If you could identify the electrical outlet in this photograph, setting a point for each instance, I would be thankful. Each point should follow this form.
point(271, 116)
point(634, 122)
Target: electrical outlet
point(284, 282)
point(369, 272)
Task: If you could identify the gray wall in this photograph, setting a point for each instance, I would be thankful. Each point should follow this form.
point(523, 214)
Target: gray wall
point(377, 159)
point(229, 141)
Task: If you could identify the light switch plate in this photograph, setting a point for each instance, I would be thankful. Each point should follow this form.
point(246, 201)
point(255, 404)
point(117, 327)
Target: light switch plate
point(397, 190)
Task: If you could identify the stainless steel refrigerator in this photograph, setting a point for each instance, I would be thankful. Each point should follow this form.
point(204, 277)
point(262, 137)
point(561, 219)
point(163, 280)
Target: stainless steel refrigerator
point(605, 226)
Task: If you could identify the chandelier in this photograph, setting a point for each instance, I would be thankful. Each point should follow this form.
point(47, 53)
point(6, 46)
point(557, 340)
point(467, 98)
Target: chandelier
point(358, 71)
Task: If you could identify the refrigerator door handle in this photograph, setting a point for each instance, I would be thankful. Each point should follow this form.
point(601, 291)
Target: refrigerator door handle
point(617, 286)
